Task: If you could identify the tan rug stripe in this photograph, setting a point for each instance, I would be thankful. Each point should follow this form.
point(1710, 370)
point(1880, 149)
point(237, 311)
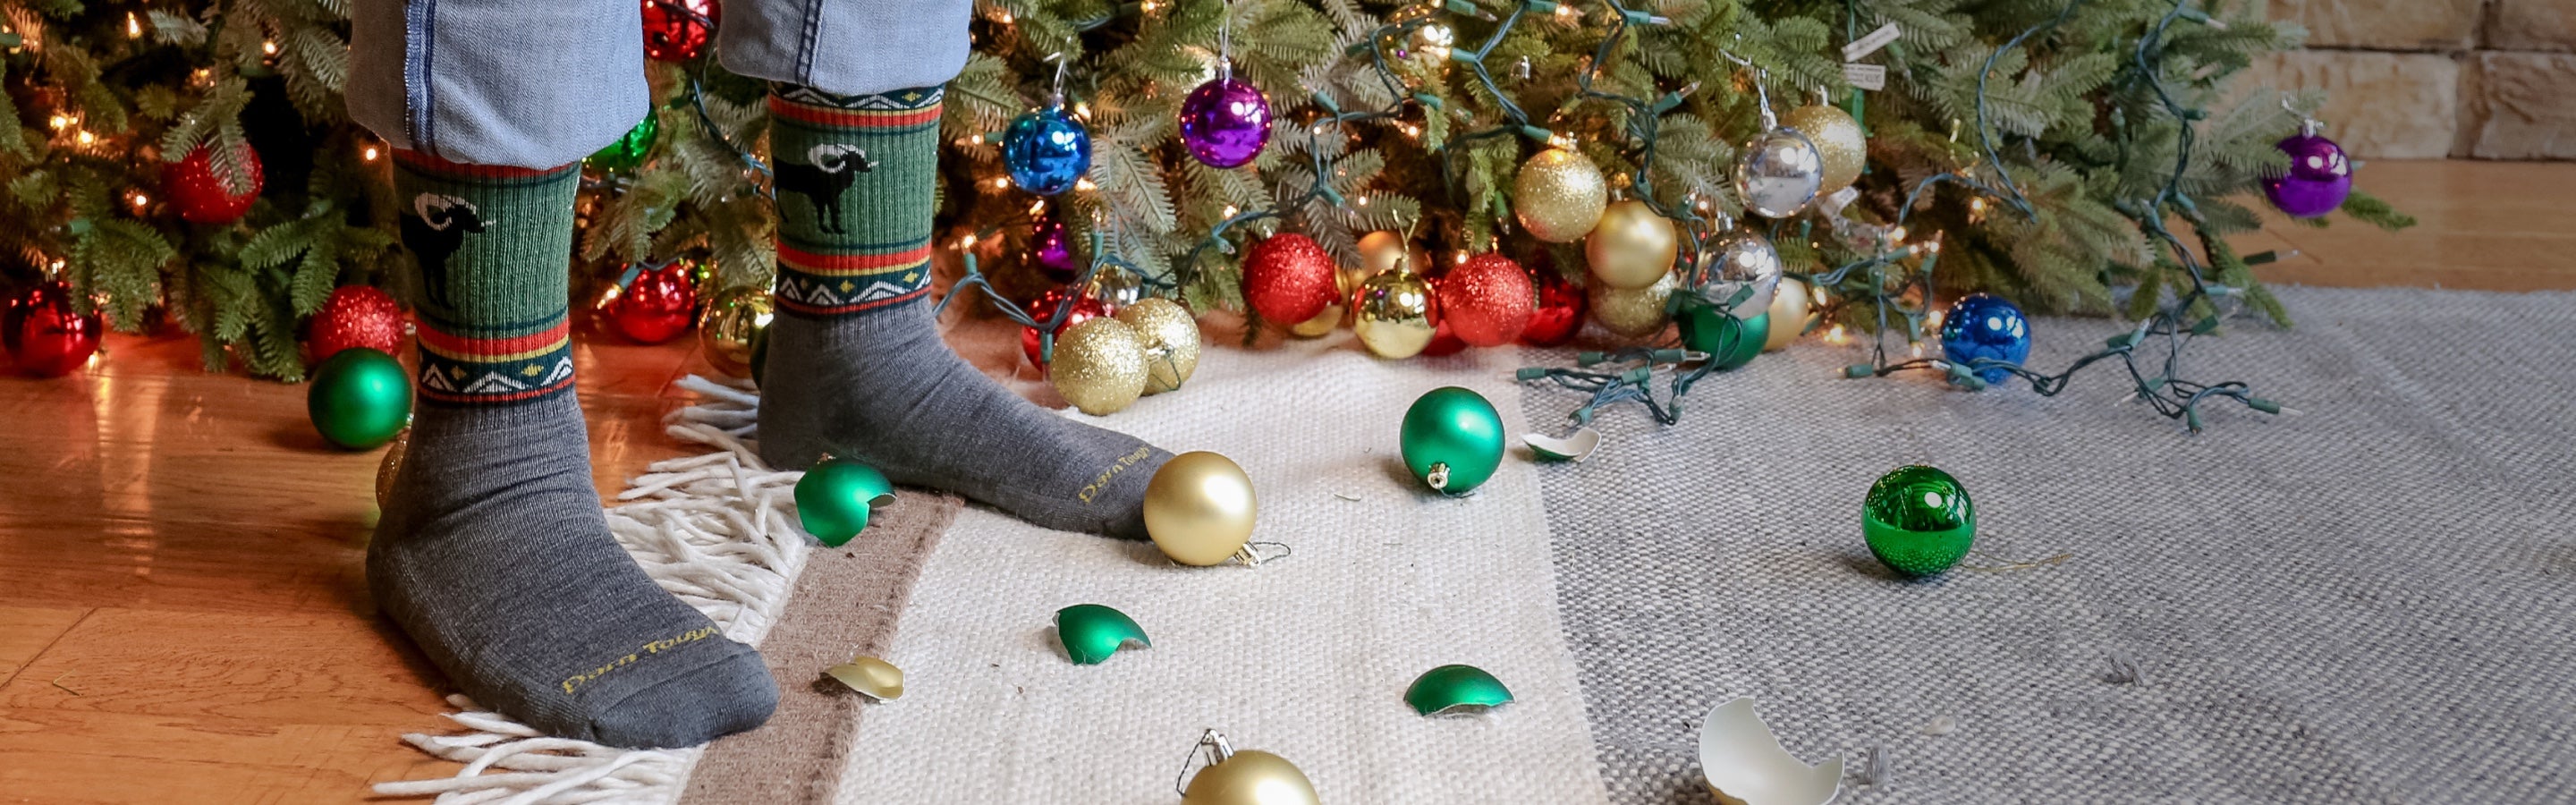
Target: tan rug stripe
point(846, 603)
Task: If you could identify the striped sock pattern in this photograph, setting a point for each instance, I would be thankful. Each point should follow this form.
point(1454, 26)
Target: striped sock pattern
point(856, 175)
point(493, 244)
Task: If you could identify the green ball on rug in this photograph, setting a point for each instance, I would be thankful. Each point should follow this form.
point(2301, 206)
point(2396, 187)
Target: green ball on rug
point(834, 499)
point(1919, 521)
point(1452, 440)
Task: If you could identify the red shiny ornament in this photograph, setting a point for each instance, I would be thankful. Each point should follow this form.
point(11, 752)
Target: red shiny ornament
point(43, 334)
point(1487, 301)
point(200, 196)
point(1287, 278)
point(678, 30)
point(1045, 305)
point(1559, 314)
point(657, 305)
point(356, 316)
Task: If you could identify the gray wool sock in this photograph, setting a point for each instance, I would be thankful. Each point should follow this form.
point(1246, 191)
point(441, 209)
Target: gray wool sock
point(855, 367)
point(492, 552)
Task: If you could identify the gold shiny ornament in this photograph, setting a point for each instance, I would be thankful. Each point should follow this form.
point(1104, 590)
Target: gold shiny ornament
point(1631, 247)
point(871, 677)
point(1559, 195)
point(1634, 313)
point(1249, 777)
point(1383, 251)
point(1838, 139)
point(1392, 313)
point(1099, 366)
point(730, 325)
point(1171, 337)
point(391, 468)
point(1199, 509)
point(1789, 306)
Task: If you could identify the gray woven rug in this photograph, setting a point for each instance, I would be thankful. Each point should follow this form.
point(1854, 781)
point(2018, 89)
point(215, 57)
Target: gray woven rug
point(2374, 602)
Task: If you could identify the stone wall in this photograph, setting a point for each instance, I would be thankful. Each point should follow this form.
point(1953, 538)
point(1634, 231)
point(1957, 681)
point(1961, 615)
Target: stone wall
point(2421, 79)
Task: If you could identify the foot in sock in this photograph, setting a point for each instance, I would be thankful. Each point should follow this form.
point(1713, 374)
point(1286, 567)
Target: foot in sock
point(855, 367)
point(492, 552)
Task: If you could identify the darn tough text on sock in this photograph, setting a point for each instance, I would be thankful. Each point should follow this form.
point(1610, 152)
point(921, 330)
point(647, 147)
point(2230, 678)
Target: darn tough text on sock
point(649, 649)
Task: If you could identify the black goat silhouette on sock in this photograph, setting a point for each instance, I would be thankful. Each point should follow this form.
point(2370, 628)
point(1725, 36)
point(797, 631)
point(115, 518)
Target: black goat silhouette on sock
point(823, 181)
point(437, 226)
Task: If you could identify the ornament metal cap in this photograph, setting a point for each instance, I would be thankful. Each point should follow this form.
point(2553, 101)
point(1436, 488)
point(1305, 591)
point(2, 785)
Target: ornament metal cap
point(1249, 777)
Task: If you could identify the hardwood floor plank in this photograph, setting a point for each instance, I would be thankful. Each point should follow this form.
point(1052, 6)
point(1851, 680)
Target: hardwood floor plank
point(26, 632)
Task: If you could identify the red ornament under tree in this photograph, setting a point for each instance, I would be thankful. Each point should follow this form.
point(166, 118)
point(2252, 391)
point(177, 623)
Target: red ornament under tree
point(1487, 301)
point(44, 336)
point(1288, 278)
point(678, 30)
point(657, 304)
point(199, 193)
point(1084, 309)
point(356, 316)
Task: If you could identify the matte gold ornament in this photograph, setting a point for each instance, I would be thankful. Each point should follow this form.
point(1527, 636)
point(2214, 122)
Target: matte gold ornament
point(1631, 247)
point(1099, 366)
point(1199, 509)
point(1559, 195)
point(1790, 305)
point(1634, 313)
point(1171, 337)
point(1395, 314)
point(1838, 139)
point(391, 468)
point(1249, 777)
point(731, 324)
point(871, 677)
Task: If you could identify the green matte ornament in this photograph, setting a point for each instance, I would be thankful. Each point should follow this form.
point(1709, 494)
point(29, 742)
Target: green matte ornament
point(1729, 341)
point(1919, 521)
point(1452, 440)
point(834, 499)
point(1456, 690)
point(1091, 632)
point(360, 399)
point(628, 152)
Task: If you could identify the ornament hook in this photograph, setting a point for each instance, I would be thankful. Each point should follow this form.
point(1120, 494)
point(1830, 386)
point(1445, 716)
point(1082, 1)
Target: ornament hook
point(1055, 98)
point(2308, 123)
point(1438, 477)
point(1218, 749)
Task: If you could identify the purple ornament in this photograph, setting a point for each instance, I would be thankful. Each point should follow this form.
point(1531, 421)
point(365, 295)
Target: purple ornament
point(2319, 177)
point(1225, 122)
point(1051, 250)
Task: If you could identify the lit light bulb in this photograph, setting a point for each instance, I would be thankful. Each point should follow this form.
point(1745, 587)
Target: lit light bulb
point(1037, 207)
point(268, 47)
point(1835, 336)
point(1560, 140)
point(975, 140)
point(967, 243)
point(140, 200)
point(1006, 18)
point(371, 153)
point(1229, 211)
point(1896, 235)
point(133, 27)
point(1003, 183)
point(1462, 257)
point(86, 138)
point(1147, 7)
point(1362, 201)
point(1082, 109)
point(1083, 184)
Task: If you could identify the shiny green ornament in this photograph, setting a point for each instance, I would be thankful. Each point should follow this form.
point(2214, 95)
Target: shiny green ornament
point(1091, 632)
point(1456, 690)
point(1729, 341)
point(834, 498)
point(360, 399)
point(1452, 440)
point(628, 152)
point(1919, 520)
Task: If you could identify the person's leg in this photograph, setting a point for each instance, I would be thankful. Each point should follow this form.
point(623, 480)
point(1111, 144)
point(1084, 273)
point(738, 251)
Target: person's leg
point(492, 552)
point(855, 367)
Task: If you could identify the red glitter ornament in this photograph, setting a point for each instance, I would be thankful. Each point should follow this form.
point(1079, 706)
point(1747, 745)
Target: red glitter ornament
point(678, 30)
point(1559, 314)
point(201, 197)
point(657, 304)
point(1287, 278)
point(1045, 305)
point(43, 334)
point(356, 316)
point(1487, 301)
point(1443, 340)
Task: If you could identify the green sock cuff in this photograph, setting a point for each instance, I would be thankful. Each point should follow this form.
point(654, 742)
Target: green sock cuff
point(857, 177)
point(494, 245)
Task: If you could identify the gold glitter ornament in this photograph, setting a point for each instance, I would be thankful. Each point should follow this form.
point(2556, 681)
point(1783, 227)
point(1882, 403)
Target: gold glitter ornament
point(1559, 195)
point(727, 328)
point(1790, 306)
point(1171, 337)
point(1393, 313)
point(1631, 247)
point(1634, 313)
point(392, 467)
point(1838, 139)
point(1099, 366)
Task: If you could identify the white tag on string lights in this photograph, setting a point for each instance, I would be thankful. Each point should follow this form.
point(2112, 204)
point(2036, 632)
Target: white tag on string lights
point(1872, 77)
point(1862, 47)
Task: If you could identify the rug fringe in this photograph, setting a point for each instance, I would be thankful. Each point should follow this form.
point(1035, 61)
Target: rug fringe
point(716, 530)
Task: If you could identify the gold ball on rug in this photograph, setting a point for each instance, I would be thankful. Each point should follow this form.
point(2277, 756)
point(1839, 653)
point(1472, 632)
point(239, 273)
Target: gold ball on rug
point(1099, 366)
point(1634, 313)
point(1393, 313)
point(1558, 195)
point(1199, 508)
point(1171, 337)
point(1250, 777)
point(1838, 139)
point(729, 325)
point(1789, 307)
point(1631, 247)
point(392, 467)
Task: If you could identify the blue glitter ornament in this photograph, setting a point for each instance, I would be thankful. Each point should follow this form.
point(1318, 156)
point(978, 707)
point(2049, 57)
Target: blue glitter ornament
point(1046, 150)
point(1983, 326)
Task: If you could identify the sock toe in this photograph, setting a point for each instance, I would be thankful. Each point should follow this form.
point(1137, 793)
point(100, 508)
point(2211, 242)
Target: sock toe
point(731, 694)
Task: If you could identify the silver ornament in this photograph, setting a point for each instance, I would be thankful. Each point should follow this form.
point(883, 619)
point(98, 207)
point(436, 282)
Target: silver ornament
point(1116, 288)
point(1738, 259)
point(1778, 173)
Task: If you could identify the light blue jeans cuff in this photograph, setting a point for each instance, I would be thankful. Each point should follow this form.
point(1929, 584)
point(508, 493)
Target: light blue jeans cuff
point(543, 83)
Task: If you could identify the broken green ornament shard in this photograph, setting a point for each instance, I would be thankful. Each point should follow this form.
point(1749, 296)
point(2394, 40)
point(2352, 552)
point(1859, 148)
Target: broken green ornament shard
point(1456, 690)
point(1091, 632)
point(834, 499)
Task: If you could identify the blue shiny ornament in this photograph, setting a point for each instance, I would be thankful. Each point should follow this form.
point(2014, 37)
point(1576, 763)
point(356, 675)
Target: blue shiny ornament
point(1983, 326)
point(1046, 151)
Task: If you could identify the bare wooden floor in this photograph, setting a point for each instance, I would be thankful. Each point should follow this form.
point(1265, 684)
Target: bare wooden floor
point(182, 616)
